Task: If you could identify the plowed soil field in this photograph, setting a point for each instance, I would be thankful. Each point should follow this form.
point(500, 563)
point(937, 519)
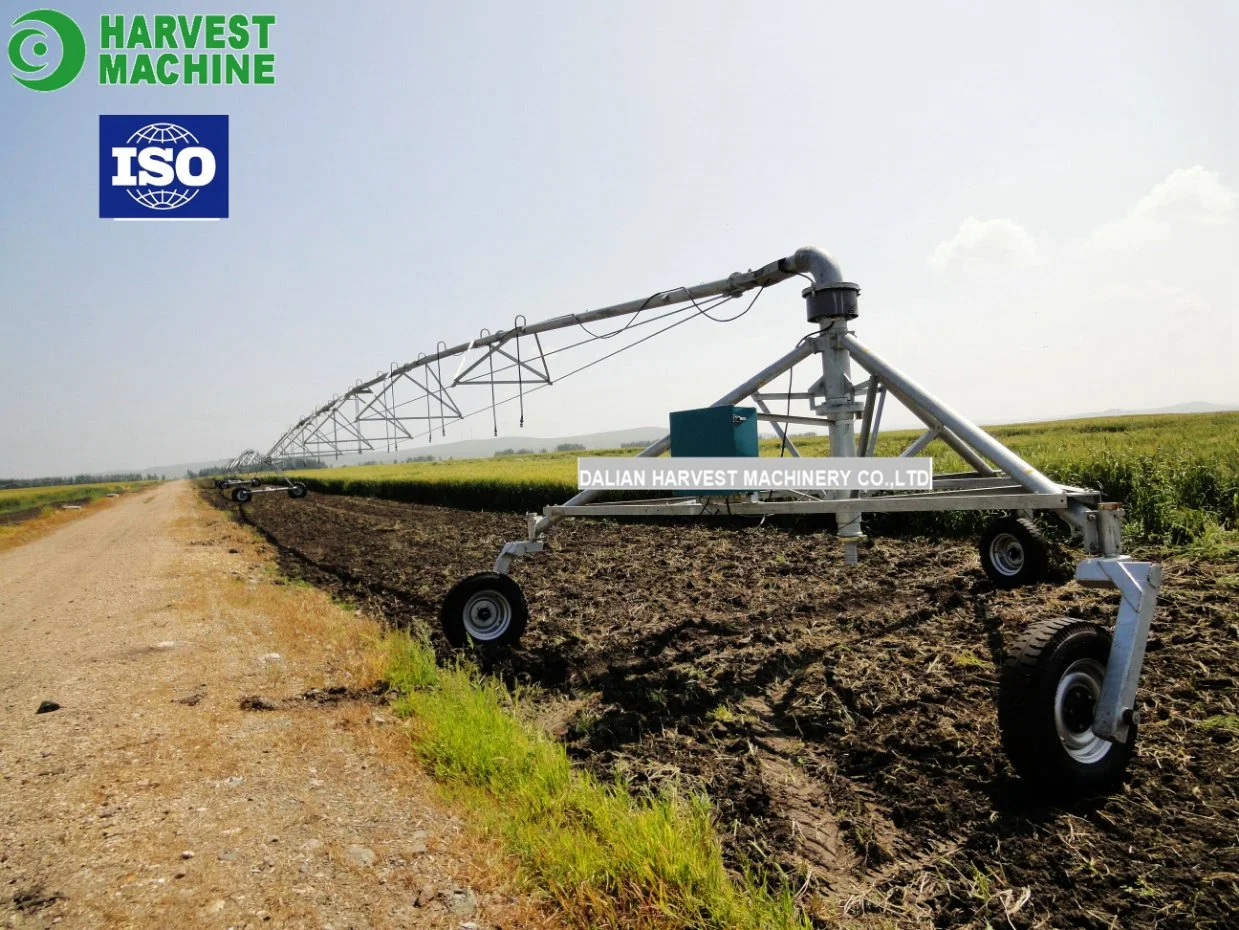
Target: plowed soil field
point(841, 719)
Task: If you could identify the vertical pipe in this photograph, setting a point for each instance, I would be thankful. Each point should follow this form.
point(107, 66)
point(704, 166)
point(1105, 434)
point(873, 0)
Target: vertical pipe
point(837, 385)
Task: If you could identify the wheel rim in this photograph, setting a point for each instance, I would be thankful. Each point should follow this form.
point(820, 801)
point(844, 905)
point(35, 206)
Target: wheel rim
point(1006, 554)
point(1074, 704)
point(488, 614)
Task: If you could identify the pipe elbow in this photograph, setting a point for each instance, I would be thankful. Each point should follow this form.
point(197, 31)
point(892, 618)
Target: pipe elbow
point(823, 269)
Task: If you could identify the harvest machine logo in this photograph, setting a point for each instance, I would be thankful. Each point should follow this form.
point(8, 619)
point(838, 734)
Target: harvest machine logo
point(30, 37)
point(161, 49)
point(163, 167)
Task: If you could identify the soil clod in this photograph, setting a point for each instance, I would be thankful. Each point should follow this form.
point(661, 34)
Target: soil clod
point(258, 702)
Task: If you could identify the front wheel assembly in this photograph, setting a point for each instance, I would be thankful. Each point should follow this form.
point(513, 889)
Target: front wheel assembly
point(241, 494)
point(485, 609)
point(1047, 696)
point(297, 490)
point(1013, 552)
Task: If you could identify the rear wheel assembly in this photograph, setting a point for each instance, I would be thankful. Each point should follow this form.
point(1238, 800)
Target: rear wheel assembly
point(486, 609)
point(1050, 686)
point(255, 482)
point(241, 495)
point(298, 490)
point(1013, 552)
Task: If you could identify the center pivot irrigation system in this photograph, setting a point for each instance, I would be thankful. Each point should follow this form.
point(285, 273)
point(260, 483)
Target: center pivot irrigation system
point(1067, 697)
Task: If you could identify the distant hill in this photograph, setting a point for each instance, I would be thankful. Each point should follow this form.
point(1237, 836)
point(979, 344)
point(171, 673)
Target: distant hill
point(1192, 406)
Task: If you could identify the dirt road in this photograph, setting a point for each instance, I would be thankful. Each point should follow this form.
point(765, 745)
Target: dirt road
point(152, 799)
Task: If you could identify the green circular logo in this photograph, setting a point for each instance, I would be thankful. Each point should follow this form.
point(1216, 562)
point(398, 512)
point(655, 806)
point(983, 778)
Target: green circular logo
point(38, 26)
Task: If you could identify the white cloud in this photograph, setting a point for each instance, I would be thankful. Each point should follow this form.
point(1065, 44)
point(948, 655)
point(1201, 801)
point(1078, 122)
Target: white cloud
point(1189, 196)
point(995, 244)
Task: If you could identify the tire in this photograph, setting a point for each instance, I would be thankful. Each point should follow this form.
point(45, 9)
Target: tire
point(486, 609)
point(255, 482)
point(297, 491)
point(219, 483)
point(1013, 552)
point(1050, 682)
point(241, 495)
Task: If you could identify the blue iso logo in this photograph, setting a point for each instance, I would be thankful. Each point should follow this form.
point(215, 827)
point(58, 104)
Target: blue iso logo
point(163, 167)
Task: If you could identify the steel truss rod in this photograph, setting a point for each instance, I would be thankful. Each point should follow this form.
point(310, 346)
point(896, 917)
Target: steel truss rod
point(774, 418)
point(309, 434)
point(921, 442)
point(447, 407)
point(807, 261)
point(775, 421)
point(954, 425)
point(541, 377)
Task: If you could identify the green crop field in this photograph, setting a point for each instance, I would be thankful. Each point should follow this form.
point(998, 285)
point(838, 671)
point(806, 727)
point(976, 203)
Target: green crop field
point(15, 500)
point(1178, 475)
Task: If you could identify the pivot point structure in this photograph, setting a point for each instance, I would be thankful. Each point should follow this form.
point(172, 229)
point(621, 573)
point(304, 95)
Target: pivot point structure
point(1068, 701)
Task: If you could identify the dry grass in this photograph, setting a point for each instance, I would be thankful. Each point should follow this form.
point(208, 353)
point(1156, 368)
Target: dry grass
point(311, 629)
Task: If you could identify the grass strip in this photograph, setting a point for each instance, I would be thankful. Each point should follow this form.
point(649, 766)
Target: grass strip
point(19, 499)
point(609, 859)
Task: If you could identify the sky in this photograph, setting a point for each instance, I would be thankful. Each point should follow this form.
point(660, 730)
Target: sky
point(1040, 203)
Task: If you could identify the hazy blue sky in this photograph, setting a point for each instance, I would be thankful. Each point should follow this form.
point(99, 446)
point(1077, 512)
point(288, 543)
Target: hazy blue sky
point(1038, 201)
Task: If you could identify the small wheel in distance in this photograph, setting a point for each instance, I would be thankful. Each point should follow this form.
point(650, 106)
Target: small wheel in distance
point(487, 608)
point(298, 490)
point(1013, 552)
point(255, 482)
point(219, 483)
point(1050, 686)
point(241, 494)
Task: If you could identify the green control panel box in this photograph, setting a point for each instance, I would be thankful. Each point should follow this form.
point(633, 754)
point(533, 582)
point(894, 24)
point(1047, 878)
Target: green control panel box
point(714, 431)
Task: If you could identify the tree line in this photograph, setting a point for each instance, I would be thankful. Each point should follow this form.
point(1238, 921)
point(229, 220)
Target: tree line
point(8, 484)
point(297, 464)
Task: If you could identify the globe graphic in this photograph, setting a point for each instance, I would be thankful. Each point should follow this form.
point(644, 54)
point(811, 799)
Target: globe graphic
point(172, 196)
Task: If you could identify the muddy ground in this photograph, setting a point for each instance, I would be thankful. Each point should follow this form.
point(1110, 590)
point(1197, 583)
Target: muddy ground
point(842, 721)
